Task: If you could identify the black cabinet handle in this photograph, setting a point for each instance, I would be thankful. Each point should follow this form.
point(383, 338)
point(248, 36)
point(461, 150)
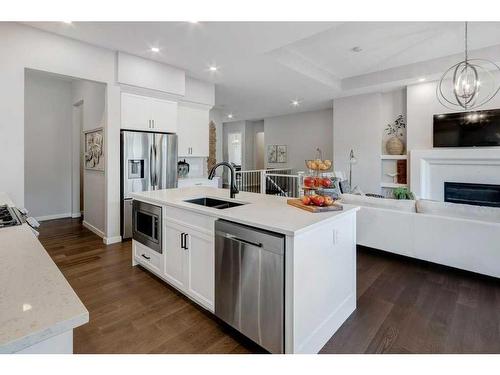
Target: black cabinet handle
point(145, 257)
point(184, 241)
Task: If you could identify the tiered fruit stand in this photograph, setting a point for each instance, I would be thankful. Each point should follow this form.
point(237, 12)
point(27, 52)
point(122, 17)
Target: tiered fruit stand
point(317, 186)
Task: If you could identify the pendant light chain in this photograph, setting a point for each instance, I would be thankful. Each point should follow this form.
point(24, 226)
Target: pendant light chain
point(466, 47)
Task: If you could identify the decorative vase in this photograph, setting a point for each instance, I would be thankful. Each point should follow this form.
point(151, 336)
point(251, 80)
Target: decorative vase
point(394, 146)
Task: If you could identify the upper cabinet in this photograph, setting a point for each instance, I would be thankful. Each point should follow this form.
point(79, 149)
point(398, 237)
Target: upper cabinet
point(164, 115)
point(146, 113)
point(185, 110)
point(136, 112)
point(192, 130)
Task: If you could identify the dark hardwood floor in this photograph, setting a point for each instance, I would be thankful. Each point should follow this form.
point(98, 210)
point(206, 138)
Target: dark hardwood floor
point(404, 306)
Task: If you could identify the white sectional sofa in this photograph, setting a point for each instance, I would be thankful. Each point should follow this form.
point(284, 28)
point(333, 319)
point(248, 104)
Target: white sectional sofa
point(456, 235)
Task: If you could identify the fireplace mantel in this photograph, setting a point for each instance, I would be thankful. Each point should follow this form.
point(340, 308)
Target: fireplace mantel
point(429, 169)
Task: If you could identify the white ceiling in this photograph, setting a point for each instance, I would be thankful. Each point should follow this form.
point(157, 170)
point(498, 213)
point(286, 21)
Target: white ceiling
point(263, 65)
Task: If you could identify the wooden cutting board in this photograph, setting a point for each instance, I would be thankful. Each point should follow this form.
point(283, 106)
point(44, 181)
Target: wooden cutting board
point(298, 203)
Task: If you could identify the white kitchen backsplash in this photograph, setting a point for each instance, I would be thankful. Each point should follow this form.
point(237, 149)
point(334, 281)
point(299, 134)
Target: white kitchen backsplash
point(197, 166)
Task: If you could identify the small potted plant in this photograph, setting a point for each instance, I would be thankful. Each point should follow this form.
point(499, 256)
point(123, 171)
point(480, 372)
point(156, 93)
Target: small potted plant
point(395, 145)
point(403, 193)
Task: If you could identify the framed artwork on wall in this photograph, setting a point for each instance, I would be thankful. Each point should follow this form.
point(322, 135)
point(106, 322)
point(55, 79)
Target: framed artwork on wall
point(94, 149)
point(277, 153)
point(271, 154)
point(281, 153)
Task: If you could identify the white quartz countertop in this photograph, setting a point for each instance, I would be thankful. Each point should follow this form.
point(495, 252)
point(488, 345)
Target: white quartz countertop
point(36, 301)
point(263, 211)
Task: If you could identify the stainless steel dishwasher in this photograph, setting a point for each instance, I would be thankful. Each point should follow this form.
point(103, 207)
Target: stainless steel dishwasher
point(250, 282)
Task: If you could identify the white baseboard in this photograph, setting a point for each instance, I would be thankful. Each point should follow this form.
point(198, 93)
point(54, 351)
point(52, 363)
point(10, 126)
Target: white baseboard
point(111, 240)
point(93, 229)
point(76, 214)
point(53, 217)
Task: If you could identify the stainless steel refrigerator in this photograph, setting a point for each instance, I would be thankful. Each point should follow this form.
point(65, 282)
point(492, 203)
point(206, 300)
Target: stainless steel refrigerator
point(148, 162)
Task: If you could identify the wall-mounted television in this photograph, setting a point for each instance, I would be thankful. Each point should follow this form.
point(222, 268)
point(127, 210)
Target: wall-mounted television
point(467, 129)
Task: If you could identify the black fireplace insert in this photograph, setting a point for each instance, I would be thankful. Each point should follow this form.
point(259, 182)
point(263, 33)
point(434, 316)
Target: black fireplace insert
point(475, 194)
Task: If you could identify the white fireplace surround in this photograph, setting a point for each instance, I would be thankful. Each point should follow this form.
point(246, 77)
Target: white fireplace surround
point(429, 169)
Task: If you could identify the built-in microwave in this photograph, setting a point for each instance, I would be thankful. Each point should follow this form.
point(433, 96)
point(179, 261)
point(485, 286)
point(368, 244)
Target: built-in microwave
point(146, 225)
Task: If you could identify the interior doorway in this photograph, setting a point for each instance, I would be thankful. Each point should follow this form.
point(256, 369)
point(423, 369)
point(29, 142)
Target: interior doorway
point(259, 150)
point(64, 116)
point(234, 144)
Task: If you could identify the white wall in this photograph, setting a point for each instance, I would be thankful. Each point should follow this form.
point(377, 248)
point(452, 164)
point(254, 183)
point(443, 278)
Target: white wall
point(358, 124)
point(422, 106)
point(93, 97)
point(47, 146)
point(25, 47)
point(302, 132)
point(393, 104)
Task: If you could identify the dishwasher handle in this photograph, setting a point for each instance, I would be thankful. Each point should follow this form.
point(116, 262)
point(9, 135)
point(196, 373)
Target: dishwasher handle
point(234, 238)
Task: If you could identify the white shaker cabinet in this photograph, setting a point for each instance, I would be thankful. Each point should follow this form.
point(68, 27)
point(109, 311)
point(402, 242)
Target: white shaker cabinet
point(189, 261)
point(174, 255)
point(136, 112)
point(145, 113)
point(200, 267)
point(192, 130)
point(164, 115)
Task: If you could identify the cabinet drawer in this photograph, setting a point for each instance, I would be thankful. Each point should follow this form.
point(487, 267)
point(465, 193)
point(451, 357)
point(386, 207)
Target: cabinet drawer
point(190, 219)
point(145, 256)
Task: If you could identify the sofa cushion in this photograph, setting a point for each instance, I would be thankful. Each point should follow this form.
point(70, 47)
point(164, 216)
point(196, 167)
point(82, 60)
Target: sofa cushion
point(465, 211)
point(390, 204)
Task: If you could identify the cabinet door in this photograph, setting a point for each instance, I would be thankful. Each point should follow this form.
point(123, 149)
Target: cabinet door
point(174, 256)
point(184, 133)
point(193, 131)
point(135, 112)
point(199, 143)
point(164, 115)
point(200, 268)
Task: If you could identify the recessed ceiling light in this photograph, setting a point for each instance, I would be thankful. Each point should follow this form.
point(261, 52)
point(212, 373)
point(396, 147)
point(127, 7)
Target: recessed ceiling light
point(213, 68)
point(356, 49)
point(193, 21)
point(155, 49)
point(68, 22)
point(295, 102)
point(421, 79)
point(230, 115)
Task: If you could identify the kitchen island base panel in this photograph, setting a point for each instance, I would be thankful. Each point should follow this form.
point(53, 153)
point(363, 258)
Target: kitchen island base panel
point(320, 283)
point(320, 259)
point(60, 344)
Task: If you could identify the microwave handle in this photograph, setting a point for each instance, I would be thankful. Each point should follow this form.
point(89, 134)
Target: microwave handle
point(155, 227)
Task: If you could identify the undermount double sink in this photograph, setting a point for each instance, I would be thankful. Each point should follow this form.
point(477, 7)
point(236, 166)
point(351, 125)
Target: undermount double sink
point(214, 202)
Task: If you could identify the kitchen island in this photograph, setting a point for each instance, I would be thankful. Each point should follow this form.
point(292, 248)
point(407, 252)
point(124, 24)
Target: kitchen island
point(38, 307)
point(319, 256)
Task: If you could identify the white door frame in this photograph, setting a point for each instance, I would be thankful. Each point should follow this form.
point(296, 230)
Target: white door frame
point(76, 136)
